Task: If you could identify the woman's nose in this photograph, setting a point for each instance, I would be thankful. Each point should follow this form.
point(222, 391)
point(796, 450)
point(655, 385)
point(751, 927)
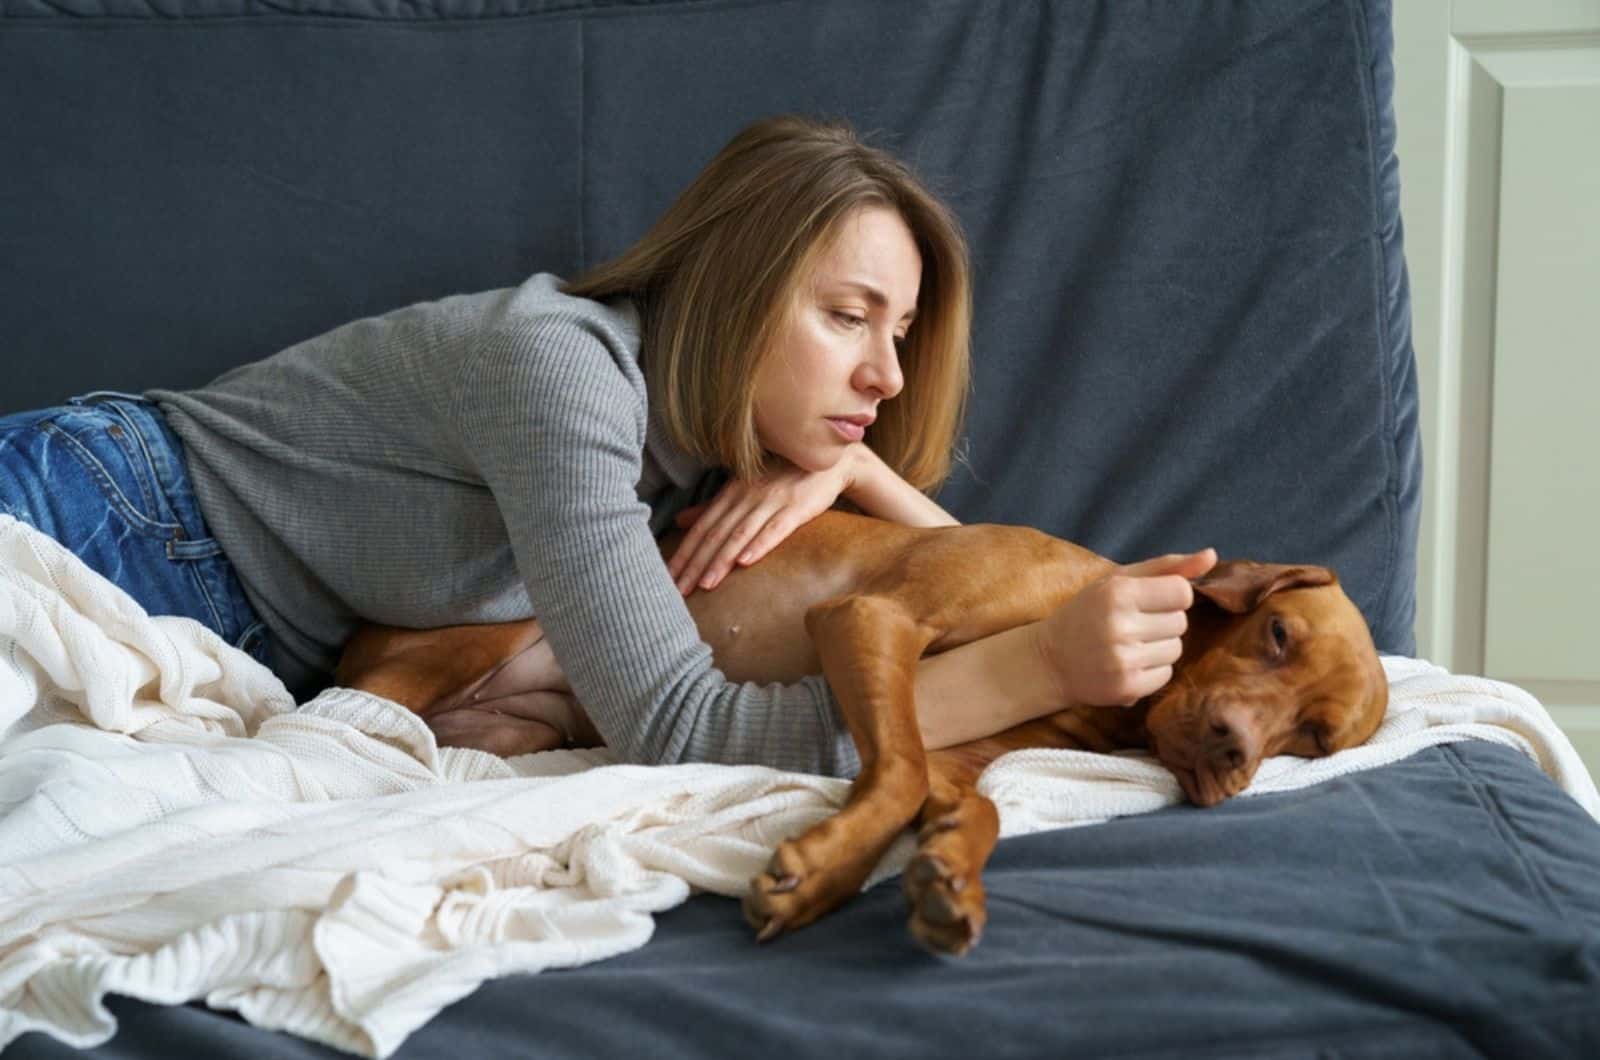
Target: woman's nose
point(880, 371)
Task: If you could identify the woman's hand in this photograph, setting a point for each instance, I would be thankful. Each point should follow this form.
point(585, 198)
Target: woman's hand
point(1115, 642)
point(523, 705)
point(748, 518)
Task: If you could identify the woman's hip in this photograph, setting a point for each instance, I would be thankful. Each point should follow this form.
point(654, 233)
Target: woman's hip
point(105, 476)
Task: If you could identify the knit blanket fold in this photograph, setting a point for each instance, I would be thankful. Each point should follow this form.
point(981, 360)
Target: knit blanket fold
point(173, 826)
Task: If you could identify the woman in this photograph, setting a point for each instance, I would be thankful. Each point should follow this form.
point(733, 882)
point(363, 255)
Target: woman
point(796, 322)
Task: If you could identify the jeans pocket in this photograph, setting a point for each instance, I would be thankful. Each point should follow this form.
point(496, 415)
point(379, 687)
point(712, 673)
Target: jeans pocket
point(112, 455)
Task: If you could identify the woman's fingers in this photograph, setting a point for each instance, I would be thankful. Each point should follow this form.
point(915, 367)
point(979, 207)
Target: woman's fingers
point(1180, 564)
point(704, 526)
point(761, 524)
point(1146, 683)
point(747, 519)
point(1144, 670)
point(1164, 593)
point(497, 735)
point(1155, 654)
point(1152, 626)
point(534, 668)
point(713, 542)
point(1139, 633)
point(695, 530)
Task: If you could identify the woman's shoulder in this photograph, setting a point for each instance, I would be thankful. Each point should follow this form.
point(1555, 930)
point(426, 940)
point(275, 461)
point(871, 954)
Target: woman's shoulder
point(541, 302)
point(550, 346)
point(540, 330)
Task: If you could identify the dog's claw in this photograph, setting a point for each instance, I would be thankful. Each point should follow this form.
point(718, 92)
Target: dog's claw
point(771, 931)
point(784, 885)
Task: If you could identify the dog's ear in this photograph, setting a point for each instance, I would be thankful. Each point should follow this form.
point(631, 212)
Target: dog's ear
point(1239, 585)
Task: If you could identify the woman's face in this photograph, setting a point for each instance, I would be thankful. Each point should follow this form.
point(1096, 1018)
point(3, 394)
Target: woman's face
point(836, 355)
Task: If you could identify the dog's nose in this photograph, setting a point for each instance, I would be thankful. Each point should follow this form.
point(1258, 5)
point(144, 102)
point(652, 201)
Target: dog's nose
point(1230, 737)
point(1224, 744)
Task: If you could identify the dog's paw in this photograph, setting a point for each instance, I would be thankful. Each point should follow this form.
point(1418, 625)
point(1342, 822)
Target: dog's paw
point(791, 893)
point(948, 910)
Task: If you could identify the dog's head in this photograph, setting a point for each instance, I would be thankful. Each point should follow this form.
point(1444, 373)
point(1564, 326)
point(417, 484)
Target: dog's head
point(1276, 660)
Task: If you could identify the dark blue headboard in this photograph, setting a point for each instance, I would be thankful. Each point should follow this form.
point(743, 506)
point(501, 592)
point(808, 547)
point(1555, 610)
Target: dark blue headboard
point(1192, 320)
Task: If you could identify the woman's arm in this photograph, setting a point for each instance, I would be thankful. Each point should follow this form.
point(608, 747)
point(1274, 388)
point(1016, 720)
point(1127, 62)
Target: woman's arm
point(551, 426)
point(1112, 644)
point(986, 687)
point(966, 693)
point(748, 519)
point(874, 487)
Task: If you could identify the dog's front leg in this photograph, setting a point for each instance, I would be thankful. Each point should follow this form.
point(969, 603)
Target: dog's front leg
point(946, 588)
point(869, 646)
point(943, 883)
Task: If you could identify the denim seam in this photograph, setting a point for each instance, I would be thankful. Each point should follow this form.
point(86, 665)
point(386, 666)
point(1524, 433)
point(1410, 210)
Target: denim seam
point(147, 476)
point(163, 473)
point(116, 436)
point(107, 484)
point(159, 496)
point(211, 603)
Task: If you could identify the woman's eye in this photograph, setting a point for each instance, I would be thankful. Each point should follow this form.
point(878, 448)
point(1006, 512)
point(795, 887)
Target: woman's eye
point(850, 319)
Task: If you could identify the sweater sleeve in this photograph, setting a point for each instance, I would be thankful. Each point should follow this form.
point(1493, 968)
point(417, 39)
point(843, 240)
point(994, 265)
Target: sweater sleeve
point(552, 413)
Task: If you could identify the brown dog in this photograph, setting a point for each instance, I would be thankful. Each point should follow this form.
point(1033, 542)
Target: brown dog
point(1276, 660)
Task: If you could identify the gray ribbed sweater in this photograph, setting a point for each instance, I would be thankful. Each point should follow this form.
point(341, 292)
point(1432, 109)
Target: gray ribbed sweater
point(484, 458)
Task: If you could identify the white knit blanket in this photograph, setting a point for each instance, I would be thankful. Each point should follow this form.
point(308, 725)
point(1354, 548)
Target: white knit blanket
point(173, 827)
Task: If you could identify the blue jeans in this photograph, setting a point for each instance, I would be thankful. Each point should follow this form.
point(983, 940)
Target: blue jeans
point(105, 476)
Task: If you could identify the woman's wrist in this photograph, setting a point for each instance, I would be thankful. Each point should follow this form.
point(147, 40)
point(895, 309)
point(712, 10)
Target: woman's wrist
point(872, 485)
point(857, 465)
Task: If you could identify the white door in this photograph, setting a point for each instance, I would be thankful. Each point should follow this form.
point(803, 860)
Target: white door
point(1498, 111)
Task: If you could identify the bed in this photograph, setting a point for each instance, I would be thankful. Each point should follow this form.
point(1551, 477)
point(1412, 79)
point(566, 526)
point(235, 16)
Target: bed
point(1192, 328)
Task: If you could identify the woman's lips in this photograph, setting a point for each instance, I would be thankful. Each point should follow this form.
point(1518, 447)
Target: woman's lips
point(847, 430)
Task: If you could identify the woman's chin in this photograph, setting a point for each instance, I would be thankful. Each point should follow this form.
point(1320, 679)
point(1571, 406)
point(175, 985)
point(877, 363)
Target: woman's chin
point(812, 458)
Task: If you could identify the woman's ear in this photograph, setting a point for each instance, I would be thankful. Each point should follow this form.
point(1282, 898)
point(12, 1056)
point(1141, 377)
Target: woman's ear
point(1239, 585)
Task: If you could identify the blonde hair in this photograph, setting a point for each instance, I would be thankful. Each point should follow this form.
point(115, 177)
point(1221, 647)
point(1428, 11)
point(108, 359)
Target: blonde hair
point(715, 275)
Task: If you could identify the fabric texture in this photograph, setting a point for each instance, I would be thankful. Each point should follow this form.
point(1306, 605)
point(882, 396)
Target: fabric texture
point(174, 828)
point(485, 458)
point(105, 476)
